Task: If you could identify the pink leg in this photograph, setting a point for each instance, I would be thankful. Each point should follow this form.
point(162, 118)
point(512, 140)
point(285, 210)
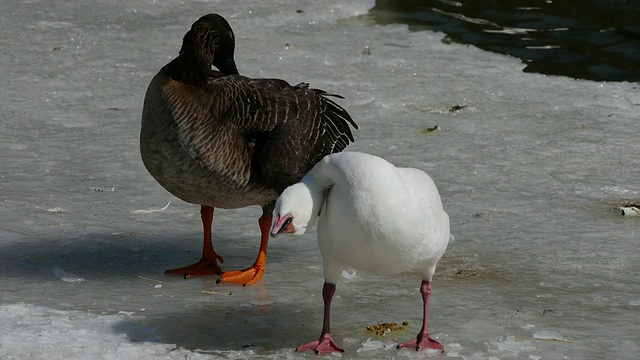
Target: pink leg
point(325, 343)
point(423, 340)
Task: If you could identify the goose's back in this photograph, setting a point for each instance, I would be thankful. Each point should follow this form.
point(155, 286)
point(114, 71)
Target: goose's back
point(382, 219)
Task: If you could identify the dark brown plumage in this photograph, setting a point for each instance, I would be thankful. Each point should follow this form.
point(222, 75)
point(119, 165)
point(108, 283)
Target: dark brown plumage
point(219, 139)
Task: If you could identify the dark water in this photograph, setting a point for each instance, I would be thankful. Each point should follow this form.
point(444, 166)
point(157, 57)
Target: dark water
point(584, 39)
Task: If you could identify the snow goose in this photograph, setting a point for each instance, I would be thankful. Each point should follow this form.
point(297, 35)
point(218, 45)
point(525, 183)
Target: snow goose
point(371, 216)
point(218, 139)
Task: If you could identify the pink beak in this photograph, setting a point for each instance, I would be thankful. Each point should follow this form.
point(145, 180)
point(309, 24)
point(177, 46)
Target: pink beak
point(283, 224)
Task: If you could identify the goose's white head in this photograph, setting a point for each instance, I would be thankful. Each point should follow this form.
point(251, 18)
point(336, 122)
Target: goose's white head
point(294, 210)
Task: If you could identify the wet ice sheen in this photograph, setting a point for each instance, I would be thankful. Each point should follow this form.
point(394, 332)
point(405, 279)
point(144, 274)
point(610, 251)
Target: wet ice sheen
point(65, 275)
point(530, 171)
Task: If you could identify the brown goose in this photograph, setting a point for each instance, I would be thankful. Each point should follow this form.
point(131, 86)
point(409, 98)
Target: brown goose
point(219, 139)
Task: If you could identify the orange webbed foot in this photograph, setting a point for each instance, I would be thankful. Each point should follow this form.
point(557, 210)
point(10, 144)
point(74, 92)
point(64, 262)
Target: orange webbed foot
point(204, 267)
point(244, 277)
point(253, 274)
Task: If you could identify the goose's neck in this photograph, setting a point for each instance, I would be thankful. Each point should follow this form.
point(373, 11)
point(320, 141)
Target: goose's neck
point(319, 181)
point(189, 70)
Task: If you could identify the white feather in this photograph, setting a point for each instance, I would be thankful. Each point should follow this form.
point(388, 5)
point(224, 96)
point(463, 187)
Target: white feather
point(373, 216)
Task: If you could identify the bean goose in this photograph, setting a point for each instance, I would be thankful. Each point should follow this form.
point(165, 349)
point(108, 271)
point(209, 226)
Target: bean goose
point(219, 139)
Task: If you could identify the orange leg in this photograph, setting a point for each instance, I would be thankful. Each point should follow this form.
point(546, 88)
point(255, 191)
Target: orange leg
point(253, 274)
point(208, 264)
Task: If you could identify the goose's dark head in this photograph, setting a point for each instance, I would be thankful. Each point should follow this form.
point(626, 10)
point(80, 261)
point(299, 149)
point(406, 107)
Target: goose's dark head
point(210, 42)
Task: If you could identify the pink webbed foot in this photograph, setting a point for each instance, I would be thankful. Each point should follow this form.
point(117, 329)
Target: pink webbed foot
point(422, 344)
point(321, 346)
point(423, 341)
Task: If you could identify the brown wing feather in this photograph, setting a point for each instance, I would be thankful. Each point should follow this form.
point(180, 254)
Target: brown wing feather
point(291, 149)
point(214, 142)
point(293, 127)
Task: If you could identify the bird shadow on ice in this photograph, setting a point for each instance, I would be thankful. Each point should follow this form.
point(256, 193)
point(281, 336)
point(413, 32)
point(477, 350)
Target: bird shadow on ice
point(229, 325)
point(104, 255)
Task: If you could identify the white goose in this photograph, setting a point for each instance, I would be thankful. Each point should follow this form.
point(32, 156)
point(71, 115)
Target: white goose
point(372, 216)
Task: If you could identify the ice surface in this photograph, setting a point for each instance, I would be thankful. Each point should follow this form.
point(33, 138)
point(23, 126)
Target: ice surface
point(66, 276)
point(530, 169)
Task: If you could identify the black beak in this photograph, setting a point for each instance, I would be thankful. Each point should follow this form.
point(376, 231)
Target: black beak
point(286, 224)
